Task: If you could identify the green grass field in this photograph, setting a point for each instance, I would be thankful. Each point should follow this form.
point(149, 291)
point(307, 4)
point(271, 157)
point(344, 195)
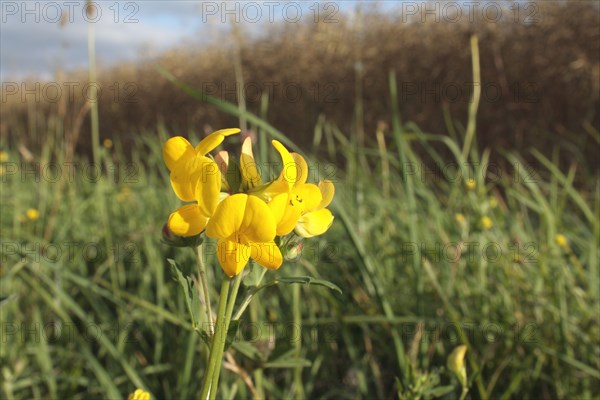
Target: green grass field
point(426, 260)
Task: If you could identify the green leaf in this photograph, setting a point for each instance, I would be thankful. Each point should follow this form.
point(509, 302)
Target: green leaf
point(288, 360)
point(204, 336)
point(234, 325)
point(190, 292)
point(234, 176)
point(249, 350)
point(439, 391)
point(307, 280)
point(254, 276)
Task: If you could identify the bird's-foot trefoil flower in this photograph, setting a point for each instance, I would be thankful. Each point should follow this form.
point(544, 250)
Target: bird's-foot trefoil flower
point(298, 206)
point(231, 203)
point(194, 178)
point(245, 228)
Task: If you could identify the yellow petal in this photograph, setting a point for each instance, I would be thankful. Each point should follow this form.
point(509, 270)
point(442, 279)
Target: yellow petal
point(288, 172)
point(187, 221)
point(301, 167)
point(185, 175)
point(258, 224)
point(314, 223)
point(289, 219)
point(228, 216)
point(306, 197)
point(278, 205)
point(270, 190)
point(250, 174)
point(232, 256)
point(267, 254)
point(175, 150)
point(208, 187)
point(327, 191)
point(210, 142)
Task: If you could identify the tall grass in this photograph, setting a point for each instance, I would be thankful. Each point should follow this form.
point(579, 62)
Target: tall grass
point(90, 308)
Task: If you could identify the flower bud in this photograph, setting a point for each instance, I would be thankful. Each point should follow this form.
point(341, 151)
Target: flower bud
point(293, 251)
point(456, 364)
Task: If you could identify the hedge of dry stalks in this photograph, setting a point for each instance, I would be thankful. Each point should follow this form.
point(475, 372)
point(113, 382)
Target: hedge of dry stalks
point(540, 80)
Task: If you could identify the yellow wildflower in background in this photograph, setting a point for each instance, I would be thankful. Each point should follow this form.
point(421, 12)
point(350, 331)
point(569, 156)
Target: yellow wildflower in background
point(107, 143)
point(470, 184)
point(32, 214)
point(561, 241)
point(125, 194)
point(3, 156)
point(486, 222)
point(139, 394)
point(459, 218)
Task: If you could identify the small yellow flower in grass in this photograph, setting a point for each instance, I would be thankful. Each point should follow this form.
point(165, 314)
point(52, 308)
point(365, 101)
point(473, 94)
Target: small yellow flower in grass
point(486, 222)
point(561, 241)
point(125, 194)
point(194, 178)
point(456, 364)
point(139, 394)
point(470, 184)
point(245, 228)
point(459, 218)
point(107, 143)
point(32, 214)
point(3, 156)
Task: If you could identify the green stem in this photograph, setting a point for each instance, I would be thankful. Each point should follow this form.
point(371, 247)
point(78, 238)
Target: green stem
point(298, 386)
point(249, 297)
point(94, 103)
point(214, 358)
point(204, 283)
point(223, 335)
point(474, 105)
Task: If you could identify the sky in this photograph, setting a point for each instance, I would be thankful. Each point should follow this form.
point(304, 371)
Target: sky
point(34, 42)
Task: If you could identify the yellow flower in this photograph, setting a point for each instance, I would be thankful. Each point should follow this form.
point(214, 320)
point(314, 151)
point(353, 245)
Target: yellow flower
point(486, 222)
point(470, 184)
point(194, 178)
point(561, 241)
point(3, 156)
point(298, 205)
point(459, 218)
point(456, 363)
point(245, 228)
point(32, 214)
point(107, 143)
point(139, 394)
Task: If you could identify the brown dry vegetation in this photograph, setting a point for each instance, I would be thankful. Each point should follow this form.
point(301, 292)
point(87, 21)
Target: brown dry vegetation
point(547, 73)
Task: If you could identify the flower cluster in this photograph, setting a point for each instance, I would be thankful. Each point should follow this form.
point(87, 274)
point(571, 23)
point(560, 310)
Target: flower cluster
point(230, 203)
